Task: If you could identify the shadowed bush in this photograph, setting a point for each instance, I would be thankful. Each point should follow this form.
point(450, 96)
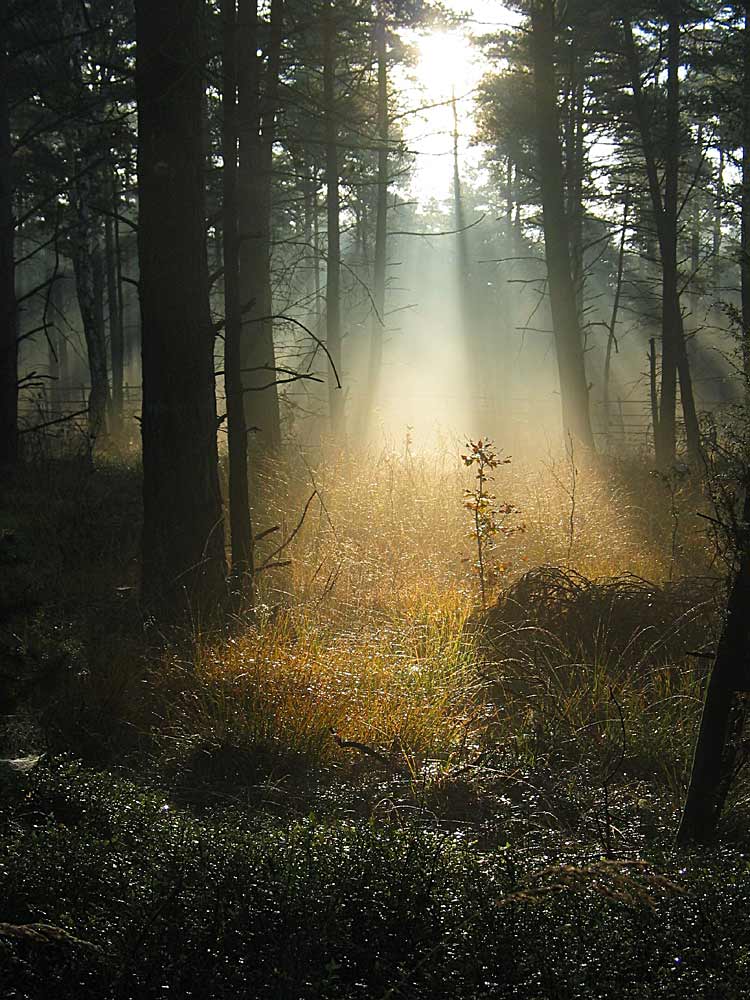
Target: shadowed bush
point(620, 619)
point(136, 900)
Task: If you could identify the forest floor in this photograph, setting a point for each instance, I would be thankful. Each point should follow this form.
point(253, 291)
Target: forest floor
point(368, 786)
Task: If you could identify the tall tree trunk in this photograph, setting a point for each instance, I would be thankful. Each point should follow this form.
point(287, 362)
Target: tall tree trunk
point(745, 201)
point(611, 338)
point(696, 230)
point(88, 269)
point(183, 563)
point(653, 389)
point(239, 498)
point(468, 317)
point(671, 310)
point(575, 168)
point(723, 710)
point(674, 353)
point(85, 237)
point(312, 271)
point(8, 315)
point(53, 353)
point(58, 343)
point(565, 323)
point(114, 303)
point(723, 713)
point(720, 194)
point(375, 360)
point(257, 108)
point(333, 251)
point(462, 246)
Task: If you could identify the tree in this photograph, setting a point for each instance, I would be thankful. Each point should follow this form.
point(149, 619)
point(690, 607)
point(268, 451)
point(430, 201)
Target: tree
point(333, 218)
point(258, 83)
point(8, 330)
point(724, 708)
point(239, 500)
point(745, 196)
point(666, 213)
point(83, 153)
point(723, 714)
point(375, 357)
point(563, 304)
point(183, 563)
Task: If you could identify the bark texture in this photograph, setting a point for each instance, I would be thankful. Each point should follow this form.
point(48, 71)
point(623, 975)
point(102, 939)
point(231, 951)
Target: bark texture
point(85, 230)
point(565, 321)
point(114, 305)
point(333, 220)
point(723, 711)
point(375, 359)
point(666, 211)
point(183, 533)
point(745, 201)
point(8, 325)
point(258, 98)
point(239, 498)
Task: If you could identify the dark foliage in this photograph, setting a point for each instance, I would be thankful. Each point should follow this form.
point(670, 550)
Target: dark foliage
point(623, 619)
point(138, 900)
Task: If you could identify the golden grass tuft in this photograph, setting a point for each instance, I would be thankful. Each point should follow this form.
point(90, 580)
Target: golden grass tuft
point(362, 632)
point(286, 685)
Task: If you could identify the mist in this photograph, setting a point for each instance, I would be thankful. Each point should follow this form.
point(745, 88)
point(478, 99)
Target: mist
point(374, 505)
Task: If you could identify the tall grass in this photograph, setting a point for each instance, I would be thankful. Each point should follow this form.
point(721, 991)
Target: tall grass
point(388, 531)
point(362, 634)
point(289, 686)
point(367, 633)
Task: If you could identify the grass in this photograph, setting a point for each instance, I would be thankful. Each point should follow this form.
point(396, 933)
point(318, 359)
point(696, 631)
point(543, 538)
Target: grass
point(291, 682)
point(361, 789)
point(391, 533)
point(363, 631)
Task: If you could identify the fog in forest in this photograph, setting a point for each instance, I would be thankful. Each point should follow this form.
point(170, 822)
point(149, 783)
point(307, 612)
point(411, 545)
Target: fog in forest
point(468, 346)
point(374, 499)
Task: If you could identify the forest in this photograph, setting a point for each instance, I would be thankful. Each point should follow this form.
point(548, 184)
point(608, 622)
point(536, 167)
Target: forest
point(374, 499)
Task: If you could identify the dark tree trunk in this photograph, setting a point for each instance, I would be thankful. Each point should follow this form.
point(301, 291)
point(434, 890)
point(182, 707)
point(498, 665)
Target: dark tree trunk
point(611, 336)
point(375, 360)
point(8, 317)
point(745, 200)
point(720, 194)
point(114, 304)
point(312, 282)
point(53, 353)
point(723, 709)
point(671, 310)
point(715, 749)
point(575, 168)
point(696, 231)
point(257, 108)
point(183, 564)
point(653, 390)
point(239, 498)
point(88, 269)
point(85, 237)
point(58, 343)
point(333, 251)
point(565, 322)
point(674, 353)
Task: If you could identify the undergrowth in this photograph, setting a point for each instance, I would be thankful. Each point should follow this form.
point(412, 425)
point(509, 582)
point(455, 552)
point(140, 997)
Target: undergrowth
point(366, 786)
point(110, 892)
